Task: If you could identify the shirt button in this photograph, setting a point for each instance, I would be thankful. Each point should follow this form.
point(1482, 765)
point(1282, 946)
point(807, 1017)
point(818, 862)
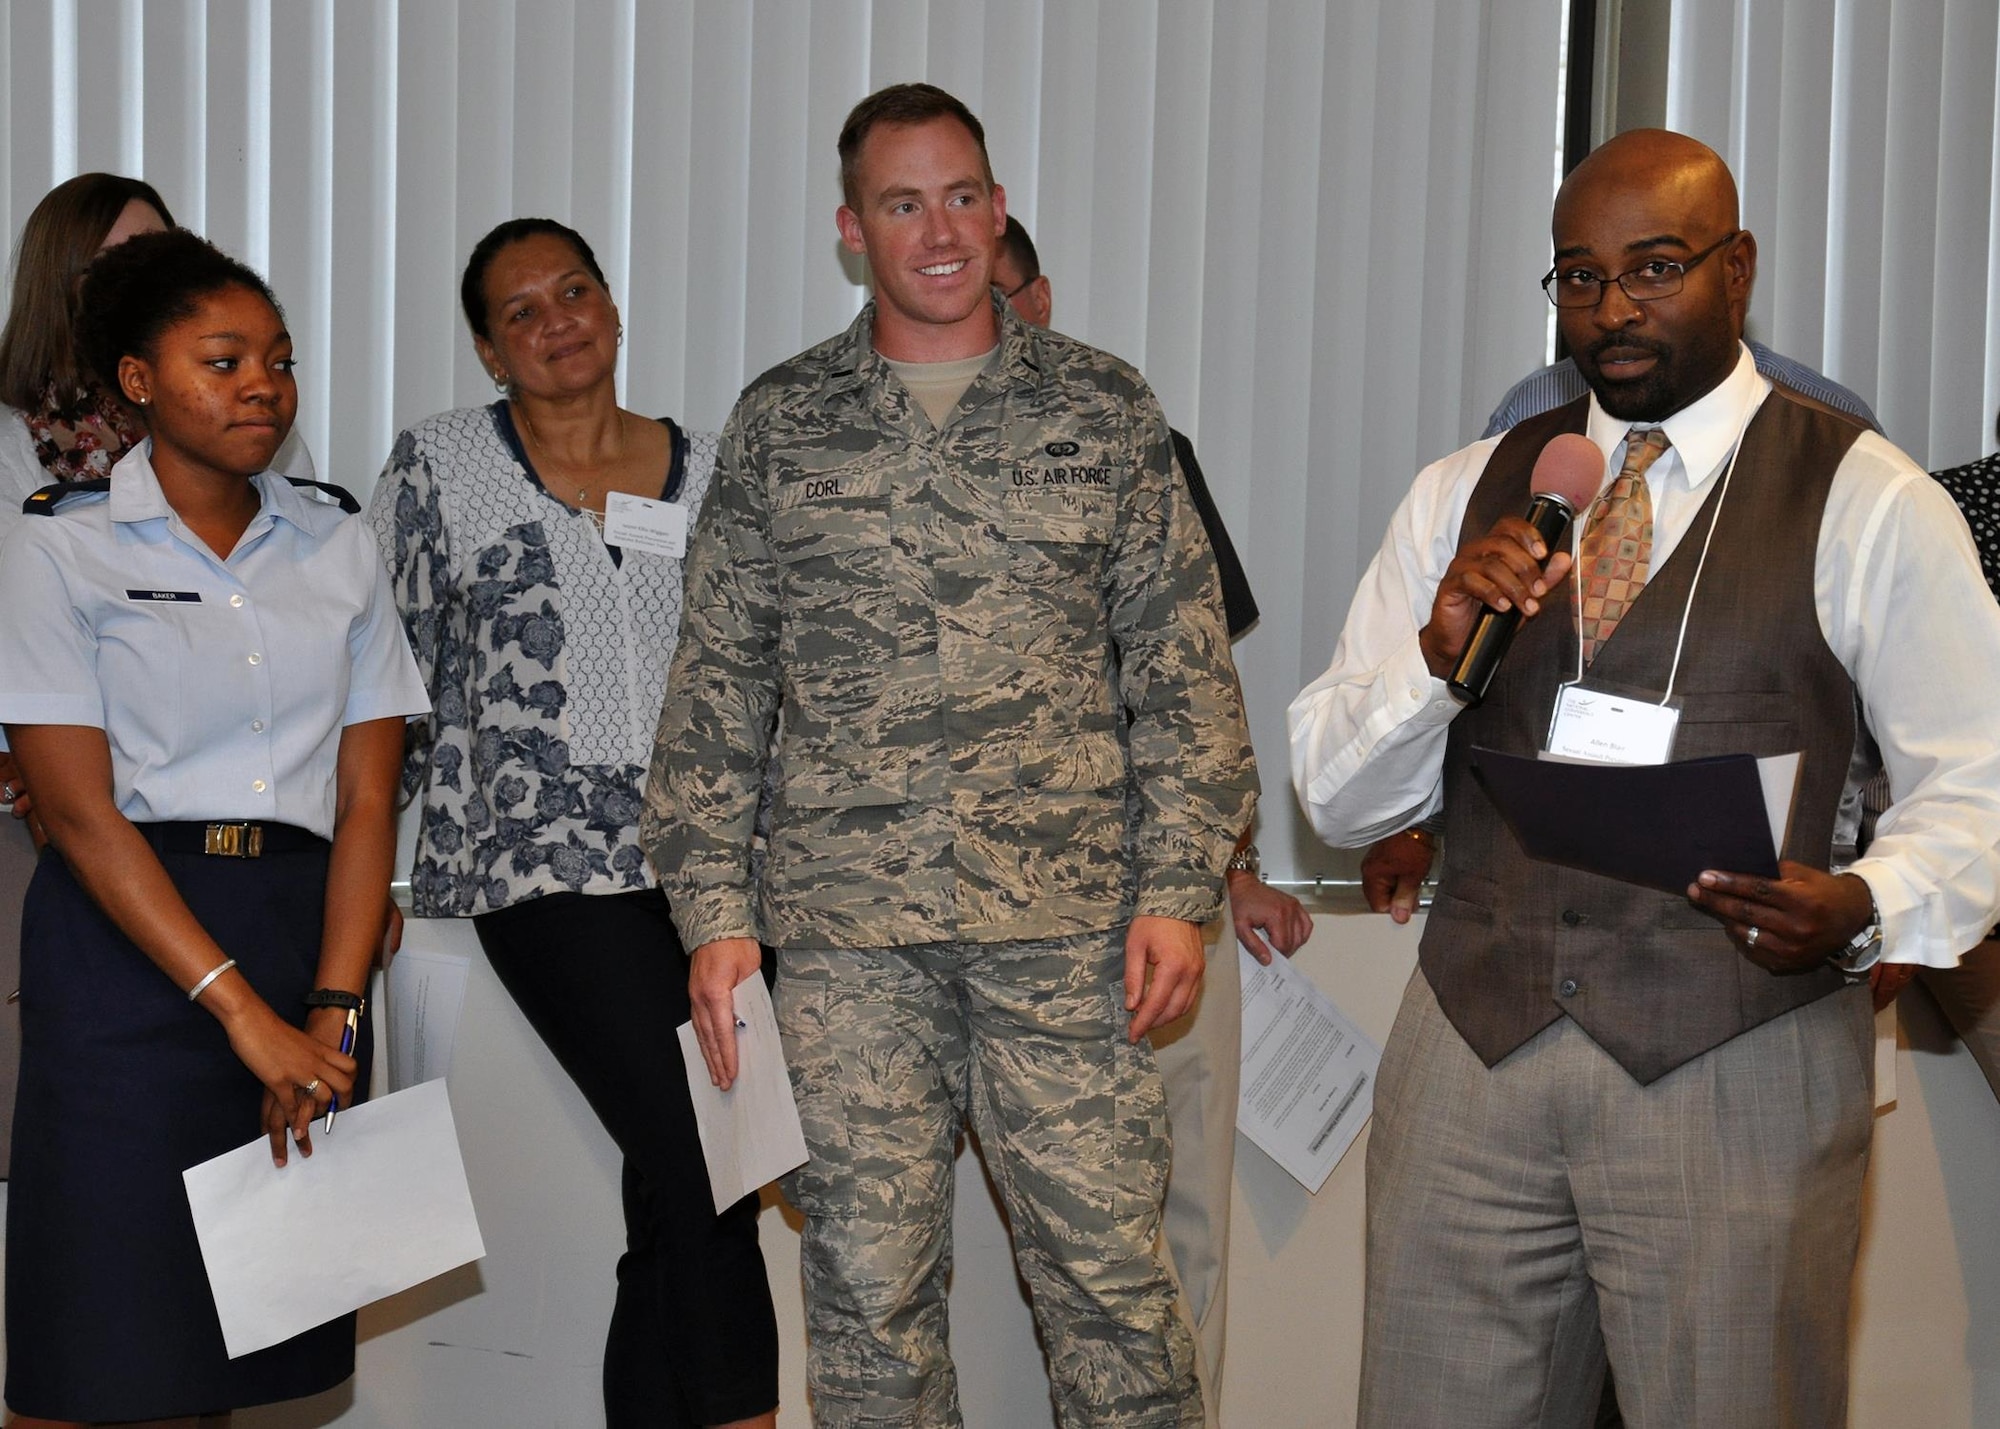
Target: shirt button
point(1568, 988)
point(257, 785)
point(1571, 917)
point(256, 726)
point(256, 658)
point(236, 600)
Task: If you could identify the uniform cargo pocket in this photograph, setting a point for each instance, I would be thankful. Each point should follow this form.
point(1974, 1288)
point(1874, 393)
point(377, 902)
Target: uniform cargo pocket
point(1080, 762)
point(818, 779)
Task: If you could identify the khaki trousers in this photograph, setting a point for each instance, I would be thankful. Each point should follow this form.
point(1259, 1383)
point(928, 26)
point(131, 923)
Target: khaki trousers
point(1200, 1059)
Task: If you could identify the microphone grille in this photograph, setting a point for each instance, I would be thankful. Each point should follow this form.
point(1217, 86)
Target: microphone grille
point(1571, 467)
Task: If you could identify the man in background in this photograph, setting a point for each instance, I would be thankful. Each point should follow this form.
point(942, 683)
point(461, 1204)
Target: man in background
point(1201, 1055)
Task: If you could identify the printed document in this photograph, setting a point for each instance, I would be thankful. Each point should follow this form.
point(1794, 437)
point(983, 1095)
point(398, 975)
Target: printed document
point(426, 993)
point(1308, 1072)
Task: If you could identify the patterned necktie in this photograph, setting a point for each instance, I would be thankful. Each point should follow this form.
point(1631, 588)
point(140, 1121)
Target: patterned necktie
point(1617, 543)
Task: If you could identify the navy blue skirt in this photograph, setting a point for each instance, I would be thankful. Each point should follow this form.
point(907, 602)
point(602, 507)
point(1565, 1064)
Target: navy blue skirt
point(125, 1084)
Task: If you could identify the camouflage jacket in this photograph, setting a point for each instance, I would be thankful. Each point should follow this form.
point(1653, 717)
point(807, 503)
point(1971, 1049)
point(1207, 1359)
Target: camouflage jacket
point(1009, 706)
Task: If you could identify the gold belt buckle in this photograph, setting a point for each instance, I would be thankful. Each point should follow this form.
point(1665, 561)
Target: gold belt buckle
point(234, 840)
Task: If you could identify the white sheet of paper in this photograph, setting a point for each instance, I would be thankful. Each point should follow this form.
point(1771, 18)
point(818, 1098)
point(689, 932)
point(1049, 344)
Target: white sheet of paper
point(750, 1134)
point(379, 1206)
point(640, 523)
point(1308, 1083)
point(426, 993)
point(1779, 774)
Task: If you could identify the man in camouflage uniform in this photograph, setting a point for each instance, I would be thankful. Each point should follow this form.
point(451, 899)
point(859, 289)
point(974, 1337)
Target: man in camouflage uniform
point(951, 548)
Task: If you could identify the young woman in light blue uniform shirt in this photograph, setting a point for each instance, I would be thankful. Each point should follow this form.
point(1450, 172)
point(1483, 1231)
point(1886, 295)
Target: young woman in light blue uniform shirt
point(200, 659)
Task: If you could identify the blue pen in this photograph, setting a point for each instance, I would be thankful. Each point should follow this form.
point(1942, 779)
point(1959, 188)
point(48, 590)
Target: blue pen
point(346, 1050)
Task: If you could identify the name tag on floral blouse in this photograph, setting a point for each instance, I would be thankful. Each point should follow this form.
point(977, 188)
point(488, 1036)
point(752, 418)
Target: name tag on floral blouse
point(639, 523)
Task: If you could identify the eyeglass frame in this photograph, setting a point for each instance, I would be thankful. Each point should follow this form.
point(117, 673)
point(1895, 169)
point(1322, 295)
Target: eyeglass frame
point(1683, 264)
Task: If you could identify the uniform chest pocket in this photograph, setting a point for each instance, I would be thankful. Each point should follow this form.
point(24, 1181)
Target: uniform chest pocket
point(837, 631)
point(1071, 521)
point(1040, 592)
point(828, 526)
point(825, 505)
point(1059, 517)
point(164, 639)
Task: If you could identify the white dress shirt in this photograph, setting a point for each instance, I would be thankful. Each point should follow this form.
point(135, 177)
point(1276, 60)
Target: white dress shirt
point(221, 684)
point(1901, 603)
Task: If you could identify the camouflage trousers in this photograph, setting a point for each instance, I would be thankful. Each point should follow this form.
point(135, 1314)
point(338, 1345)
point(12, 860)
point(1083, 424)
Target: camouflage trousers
point(891, 1051)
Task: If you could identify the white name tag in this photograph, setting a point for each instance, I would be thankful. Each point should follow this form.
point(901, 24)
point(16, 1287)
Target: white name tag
point(639, 523)
point(1611, 729)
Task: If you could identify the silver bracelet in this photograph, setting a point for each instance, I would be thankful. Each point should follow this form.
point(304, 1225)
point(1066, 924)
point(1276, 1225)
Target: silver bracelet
point(217, 971)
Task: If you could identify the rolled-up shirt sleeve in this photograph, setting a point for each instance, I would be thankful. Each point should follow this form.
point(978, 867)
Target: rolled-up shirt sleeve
point(1904, 607)
point(1368, 735)
point(713, 741)
point(1191, 760)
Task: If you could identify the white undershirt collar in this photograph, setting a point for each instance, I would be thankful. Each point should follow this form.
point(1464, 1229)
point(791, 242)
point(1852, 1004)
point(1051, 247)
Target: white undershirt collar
point(1702, 432)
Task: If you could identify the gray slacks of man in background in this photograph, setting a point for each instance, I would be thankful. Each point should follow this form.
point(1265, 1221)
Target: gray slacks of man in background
point(1200, 1055)
point(1011, 766)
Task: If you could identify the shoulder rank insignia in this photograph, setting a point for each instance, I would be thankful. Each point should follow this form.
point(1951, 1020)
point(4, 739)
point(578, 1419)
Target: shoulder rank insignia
point(340, 495)
point(45, 501)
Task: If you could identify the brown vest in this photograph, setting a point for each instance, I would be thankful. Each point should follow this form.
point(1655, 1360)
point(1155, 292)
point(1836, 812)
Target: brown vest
point(1512, 944)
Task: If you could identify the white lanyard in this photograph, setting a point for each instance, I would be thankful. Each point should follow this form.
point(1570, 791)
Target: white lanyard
point(1708, 539)
point(1601, 725)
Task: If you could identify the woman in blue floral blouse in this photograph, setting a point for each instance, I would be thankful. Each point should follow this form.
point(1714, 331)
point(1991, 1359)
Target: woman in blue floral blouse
point(532, 547)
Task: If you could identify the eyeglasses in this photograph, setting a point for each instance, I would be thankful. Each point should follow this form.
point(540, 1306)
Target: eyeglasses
point(1018, 286)
point(1655, 278)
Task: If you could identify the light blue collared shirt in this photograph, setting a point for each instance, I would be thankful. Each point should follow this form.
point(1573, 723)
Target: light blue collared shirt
point(1549, 388)
point(222, 685)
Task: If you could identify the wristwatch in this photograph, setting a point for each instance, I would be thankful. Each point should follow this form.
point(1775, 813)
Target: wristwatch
point(1245, 860)
point(1864, 949)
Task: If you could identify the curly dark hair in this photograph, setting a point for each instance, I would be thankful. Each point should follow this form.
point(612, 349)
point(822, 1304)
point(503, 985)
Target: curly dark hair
point(902, 104)
point(472, 287)
point(136, 291)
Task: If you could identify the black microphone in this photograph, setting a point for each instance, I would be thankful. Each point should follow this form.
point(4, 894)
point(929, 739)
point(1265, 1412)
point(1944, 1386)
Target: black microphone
point(1567, 475)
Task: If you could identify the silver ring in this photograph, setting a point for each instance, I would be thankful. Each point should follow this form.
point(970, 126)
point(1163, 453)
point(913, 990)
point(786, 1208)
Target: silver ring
point(1755, 933)
point(311, 1088)
point(8, 794)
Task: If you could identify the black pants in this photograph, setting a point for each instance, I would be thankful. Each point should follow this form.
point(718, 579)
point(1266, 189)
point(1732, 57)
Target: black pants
point(603, 980)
